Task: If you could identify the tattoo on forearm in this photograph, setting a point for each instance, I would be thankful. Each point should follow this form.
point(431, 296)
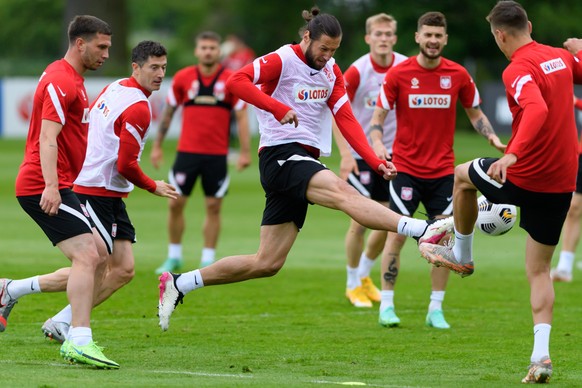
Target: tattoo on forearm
point(53, 146)
point(484, 127)
point(392, 272)
point(377, 127)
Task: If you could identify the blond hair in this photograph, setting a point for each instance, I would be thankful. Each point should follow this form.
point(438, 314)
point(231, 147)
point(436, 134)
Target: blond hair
point(379, 18)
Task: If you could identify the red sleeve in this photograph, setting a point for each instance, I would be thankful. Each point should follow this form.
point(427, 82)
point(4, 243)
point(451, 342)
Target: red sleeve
point(348, 125)
point(59, 94)
point(263, 70)
point(388, 92)
point(352, 81)
point(521, 87)
point(468, 94)
point(133, 124)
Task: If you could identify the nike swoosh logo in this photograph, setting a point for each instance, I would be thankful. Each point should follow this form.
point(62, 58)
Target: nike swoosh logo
point(311, 73)
point(60, 91)
point(31, 286)
point(449, 199)
point(196, 280)
point(264, 60)
point(58, 331)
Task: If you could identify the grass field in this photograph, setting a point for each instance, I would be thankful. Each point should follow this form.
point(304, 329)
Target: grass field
point(295, 329)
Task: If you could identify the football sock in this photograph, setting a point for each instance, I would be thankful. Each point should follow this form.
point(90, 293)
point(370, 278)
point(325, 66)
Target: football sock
point(463, 248)
point(541, 341)
point(80, 336)
point(566, 262)
point(208, 255)
point(436, 301)
point(353, 278)
point(65, 315)
point(411, 227)
point(365, 266)
point(387, 299)
point(18, 288)
point(189, 281)
point(175, 251)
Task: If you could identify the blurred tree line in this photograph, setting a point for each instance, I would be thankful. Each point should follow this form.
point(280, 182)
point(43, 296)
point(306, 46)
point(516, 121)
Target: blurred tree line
point(33, 32)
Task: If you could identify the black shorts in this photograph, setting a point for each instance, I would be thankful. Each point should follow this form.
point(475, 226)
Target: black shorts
point(407, 192)
point(541, 214)
point(285, 174)
point(110, 218)
point(579, 176)
point(72, 219)
point(211, 168)
point(369, 183)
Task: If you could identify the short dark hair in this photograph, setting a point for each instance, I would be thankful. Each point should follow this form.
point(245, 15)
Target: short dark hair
point(509, 15)
point(320, 24)
point(432, 19)
point(146, 49)
point(86, 27)
point(208, 35)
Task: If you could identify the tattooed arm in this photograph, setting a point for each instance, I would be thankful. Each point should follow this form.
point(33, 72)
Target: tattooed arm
point(482, 125)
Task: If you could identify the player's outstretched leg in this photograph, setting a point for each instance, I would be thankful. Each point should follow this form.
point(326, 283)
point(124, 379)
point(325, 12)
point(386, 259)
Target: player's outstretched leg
point(170, 296)
point(443, 256)
point(57, 331)
point(6, 303)
point(436, 230)
point(539, 372)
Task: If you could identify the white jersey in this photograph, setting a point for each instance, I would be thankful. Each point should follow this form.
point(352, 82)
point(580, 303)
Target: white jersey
point(306, 91)
point(100, 166)
point(364, 100)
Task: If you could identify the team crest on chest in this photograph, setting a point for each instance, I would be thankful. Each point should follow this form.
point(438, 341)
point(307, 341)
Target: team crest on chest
point(414, 83)
point(446, 82)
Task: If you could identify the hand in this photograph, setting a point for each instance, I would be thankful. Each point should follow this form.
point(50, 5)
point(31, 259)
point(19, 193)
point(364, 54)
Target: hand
point(156, 156)
point(380, 150)
point(50, 201)
point(164, 189)
point(498, 170)
point(495, 142)
point(348, 164)
point(388, 170)
point(290, 118)
point(573, 45)
point(244, 160)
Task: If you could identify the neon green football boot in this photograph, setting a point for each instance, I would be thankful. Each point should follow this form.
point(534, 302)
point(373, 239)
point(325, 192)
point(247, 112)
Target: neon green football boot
point(89, 354)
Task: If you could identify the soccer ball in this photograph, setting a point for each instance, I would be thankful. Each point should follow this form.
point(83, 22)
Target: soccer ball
point(495, 219)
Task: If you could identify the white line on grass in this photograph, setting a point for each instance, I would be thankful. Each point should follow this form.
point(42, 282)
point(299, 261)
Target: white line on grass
point(201, 374)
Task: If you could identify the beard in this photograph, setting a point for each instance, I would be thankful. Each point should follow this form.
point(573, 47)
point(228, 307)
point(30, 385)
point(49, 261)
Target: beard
point(427, 55)
point(310, 59)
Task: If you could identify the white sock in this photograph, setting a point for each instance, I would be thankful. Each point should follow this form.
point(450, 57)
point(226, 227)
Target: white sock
point(411, 227)
point(190, 281)
point(386, 299)
point(80, 336)
point(65, 315)
point(19, 288)
point(353, 278)
point(175, 251)
point(208, 255)
point(541, 341)
point(463, 248)
point(436, 301)
point(365, 266)
point(566, 262)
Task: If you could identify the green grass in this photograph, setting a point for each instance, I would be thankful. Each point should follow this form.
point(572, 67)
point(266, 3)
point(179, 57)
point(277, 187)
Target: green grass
point(295, 329)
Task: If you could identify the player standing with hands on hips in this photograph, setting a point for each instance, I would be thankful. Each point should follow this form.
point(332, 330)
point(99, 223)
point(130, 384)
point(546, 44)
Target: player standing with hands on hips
point(301, 87)
point(539, 85)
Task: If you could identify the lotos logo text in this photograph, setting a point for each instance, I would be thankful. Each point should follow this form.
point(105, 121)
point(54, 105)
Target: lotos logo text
point(102, 106)
point(311, 94)
point(439, 101)
point(553, 65)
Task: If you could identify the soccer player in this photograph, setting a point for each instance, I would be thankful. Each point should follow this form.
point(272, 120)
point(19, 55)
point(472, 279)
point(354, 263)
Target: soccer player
point(119, 123)
point(203, 144)
point(301, 87)
point(363, 80)
point(571, 231)
point(54, 154)
point(538, 83)
point(424, 90)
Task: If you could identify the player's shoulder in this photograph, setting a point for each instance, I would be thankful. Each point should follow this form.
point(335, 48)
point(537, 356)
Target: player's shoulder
point(185, 72)
point(61, 74)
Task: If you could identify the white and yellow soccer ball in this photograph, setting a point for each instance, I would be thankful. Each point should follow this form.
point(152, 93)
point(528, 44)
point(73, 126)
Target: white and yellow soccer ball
point(495, 219)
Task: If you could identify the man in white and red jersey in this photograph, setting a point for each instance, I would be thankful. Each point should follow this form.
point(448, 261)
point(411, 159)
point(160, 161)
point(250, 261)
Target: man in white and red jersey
point(537, 172)
point(571, 230)
point(55, 150)
point(301, 87)
point(363, 80)
point(119, 123)
point(424, 89)
point(203, 145)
